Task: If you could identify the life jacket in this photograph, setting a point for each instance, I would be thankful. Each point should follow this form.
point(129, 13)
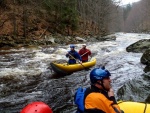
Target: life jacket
point(84, 54)
point(72, 54)
point(79, 99)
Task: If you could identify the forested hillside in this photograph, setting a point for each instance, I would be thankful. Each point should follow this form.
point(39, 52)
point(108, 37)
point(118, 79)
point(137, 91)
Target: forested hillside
point(34, 19)
point(137, 17)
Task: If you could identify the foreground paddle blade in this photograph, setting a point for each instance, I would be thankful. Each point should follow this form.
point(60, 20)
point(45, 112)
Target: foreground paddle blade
point(37, 107)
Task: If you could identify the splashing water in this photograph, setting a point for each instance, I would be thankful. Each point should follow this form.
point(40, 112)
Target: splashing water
point(25, 76)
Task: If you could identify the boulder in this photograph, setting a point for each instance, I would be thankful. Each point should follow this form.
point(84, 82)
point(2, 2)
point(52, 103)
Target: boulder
point(145, 59)
point(139, 47)
point(80, 39)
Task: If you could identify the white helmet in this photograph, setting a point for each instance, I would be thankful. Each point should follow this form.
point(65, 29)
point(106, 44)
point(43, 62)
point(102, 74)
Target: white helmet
point(83, 44)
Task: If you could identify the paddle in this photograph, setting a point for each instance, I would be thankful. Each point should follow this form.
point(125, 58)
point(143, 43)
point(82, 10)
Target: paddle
point(78, 62)
point(84, 53)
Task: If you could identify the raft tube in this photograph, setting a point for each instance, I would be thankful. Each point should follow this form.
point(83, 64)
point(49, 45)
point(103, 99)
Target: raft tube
point(134, 107)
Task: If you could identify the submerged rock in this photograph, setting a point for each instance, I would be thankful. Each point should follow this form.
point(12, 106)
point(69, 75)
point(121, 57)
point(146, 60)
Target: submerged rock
point(145, 59)
point(136, 89)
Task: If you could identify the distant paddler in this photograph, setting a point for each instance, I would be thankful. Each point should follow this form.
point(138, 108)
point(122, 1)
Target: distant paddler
point(84, 52)
point(73, 55)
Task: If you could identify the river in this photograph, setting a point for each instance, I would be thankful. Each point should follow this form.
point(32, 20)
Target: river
point(26, 76)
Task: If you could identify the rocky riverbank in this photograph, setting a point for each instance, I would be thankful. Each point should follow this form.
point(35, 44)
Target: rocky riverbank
point(11, 41)
point(142, 46)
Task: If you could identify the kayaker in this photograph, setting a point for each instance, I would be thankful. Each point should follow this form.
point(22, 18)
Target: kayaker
point(37, 107)
point(84, 52)
point(99, 97)
point(73, 55)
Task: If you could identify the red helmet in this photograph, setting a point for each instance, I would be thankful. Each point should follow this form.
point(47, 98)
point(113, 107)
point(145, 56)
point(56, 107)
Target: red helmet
point(36, 107)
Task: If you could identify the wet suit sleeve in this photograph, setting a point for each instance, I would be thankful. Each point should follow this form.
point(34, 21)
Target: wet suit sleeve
point(112, 98)
point(67, 55)
point(80, 52)
point(115, 105)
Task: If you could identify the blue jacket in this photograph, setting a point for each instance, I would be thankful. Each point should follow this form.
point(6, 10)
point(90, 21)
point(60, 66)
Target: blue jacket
point(73, 56)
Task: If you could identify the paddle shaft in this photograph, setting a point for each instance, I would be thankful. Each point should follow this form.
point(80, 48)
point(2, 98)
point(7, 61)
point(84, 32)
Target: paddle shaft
point(84, 53)
point(77, 61)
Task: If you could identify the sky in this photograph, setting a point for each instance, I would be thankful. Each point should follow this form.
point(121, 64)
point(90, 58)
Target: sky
point(124, 2)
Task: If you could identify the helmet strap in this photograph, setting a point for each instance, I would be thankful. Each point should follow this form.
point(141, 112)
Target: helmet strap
point(101, 84)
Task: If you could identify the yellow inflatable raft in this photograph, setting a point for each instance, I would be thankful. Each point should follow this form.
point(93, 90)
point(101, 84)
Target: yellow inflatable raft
point(65, 68)
point(134, 107)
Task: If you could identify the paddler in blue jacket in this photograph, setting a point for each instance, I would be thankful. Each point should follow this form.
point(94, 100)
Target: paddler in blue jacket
point(73, 55)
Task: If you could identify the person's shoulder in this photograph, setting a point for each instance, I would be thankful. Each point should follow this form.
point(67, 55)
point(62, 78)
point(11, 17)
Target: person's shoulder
point(75, 52)
point(80, 49)
point(88, 49)
point(96, 95)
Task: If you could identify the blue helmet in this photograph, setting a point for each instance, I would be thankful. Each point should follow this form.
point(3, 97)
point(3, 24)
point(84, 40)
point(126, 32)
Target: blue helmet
point(98, 74)
point(72, 46)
